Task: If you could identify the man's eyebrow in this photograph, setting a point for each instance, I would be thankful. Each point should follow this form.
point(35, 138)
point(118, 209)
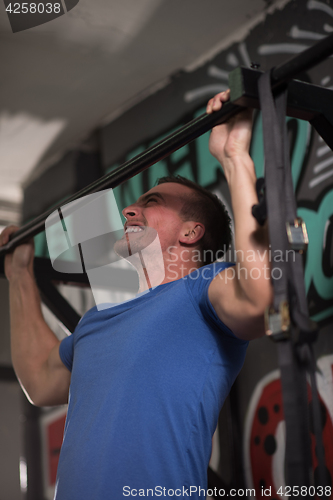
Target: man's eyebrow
point(145, 197)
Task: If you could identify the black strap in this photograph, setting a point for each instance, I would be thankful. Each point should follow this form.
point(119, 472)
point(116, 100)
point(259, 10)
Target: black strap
point(259, 211)
point(295, 354)
point(274, 180)
point(294, 394)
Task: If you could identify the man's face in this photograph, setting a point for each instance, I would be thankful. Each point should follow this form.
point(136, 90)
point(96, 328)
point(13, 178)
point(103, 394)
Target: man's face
point(157, 211)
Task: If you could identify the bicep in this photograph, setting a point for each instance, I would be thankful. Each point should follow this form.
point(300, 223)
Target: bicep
point(233, 308)
point(54, 381)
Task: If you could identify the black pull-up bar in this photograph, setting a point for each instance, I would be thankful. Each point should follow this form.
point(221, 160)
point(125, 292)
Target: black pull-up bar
point(302, 62)
point(280, 75)
point(132, 167)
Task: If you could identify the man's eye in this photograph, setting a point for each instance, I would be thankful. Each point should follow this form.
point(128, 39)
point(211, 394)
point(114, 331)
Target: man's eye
point(151, 199)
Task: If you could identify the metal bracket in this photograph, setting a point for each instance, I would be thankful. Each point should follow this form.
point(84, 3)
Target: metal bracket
point(297, 235)
point(277, 324)
point(305, 100)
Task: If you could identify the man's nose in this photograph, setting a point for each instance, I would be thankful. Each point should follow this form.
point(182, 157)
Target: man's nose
point(130, 211)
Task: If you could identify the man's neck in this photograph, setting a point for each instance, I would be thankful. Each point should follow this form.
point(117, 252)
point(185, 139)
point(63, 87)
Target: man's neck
point(152, 274)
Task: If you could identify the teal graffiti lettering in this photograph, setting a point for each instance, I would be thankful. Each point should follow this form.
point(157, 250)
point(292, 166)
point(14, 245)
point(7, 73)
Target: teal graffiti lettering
point(316, 223)
point(298, 153)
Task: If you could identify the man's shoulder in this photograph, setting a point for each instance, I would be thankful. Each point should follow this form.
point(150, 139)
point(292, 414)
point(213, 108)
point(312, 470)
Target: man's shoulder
point(199, 280)
point(209, 271)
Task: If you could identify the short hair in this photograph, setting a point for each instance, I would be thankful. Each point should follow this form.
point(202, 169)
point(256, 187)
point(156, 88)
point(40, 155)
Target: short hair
point(205, 207)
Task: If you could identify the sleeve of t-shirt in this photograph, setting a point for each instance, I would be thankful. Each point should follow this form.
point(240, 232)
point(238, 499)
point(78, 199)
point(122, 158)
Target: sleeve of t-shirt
point(198, 283)
point(66, 351)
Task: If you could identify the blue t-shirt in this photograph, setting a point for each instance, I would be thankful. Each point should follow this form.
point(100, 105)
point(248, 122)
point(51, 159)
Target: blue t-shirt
point(149, 377)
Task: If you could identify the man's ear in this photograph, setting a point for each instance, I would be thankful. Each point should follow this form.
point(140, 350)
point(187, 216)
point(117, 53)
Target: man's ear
point(191, 232)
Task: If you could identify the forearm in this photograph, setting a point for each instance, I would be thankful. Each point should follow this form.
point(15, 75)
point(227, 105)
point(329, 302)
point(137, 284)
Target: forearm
point(251, 239)
point(31, 338)
point(242, 294)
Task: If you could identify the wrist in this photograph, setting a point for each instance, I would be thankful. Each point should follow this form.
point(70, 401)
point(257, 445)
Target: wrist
point(239, 165)
point(21, 276)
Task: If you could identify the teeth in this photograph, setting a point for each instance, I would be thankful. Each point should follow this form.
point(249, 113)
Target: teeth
point(133, 229)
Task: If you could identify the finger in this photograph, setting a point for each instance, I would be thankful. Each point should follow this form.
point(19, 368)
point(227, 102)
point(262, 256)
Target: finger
point(227, 95)
point(4, 236)
point(219, 99)
point(209, 106)
point(217, 103)
point(223, 96)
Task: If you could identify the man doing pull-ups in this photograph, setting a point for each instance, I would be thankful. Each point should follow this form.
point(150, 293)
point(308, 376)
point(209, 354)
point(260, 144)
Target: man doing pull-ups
point(146, 379)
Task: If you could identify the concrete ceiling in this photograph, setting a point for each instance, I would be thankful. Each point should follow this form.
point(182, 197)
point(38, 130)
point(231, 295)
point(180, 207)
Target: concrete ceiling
point(62, 79)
